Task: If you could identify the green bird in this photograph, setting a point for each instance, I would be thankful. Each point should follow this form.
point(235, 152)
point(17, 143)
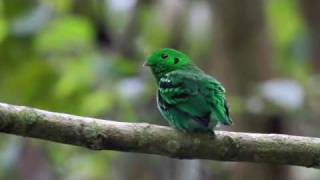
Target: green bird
point(189, 99)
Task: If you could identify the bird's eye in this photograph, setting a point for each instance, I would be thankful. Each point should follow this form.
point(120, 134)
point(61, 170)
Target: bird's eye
point(164, 56)
point(176, 60)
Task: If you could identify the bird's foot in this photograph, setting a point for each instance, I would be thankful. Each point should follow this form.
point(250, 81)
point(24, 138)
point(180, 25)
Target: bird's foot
point(211, 134)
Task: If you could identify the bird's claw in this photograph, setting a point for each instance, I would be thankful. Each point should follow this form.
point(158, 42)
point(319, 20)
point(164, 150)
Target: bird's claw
point(211, 134)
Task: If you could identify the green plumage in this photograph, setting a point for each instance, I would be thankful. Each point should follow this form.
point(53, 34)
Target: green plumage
point(187, 98)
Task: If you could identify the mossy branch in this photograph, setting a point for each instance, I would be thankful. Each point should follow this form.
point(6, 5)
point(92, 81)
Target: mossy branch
point(100, 134)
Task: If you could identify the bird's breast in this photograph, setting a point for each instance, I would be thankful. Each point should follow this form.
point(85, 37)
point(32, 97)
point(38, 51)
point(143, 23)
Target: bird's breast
point(161, 104)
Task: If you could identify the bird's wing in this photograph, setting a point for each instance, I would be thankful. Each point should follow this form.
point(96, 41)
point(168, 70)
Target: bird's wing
point(176, 87)
point(216, 98)
point(195, 94)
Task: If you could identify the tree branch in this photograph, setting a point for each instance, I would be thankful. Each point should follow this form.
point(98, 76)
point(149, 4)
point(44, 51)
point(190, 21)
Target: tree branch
point(100, 134)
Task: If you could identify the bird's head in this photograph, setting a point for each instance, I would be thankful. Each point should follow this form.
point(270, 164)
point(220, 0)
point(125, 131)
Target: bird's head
point(167, 60)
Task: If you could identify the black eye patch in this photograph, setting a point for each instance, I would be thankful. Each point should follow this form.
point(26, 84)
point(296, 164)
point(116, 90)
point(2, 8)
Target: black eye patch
point(164, 56)
point(176, 60)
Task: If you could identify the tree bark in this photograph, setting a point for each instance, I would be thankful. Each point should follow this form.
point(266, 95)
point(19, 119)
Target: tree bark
point(243, 58)
point(241, 40)
point(311, 13)
point(97, 134)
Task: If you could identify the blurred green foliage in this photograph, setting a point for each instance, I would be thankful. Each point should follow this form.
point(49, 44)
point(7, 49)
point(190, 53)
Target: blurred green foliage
point(289, 36)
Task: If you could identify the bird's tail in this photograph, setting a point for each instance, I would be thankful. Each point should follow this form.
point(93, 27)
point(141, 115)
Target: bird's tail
point(226, 119)
point(220, 118)
point(222, 115)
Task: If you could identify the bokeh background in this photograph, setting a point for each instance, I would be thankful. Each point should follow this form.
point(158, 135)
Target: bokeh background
point(84, 57)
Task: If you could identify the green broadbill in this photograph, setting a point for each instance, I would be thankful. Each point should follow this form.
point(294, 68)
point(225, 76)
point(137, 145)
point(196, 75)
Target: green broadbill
point(189, 99)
